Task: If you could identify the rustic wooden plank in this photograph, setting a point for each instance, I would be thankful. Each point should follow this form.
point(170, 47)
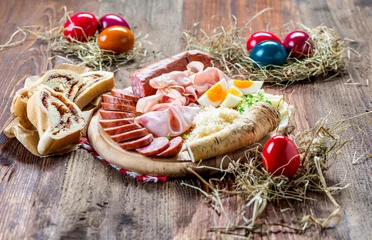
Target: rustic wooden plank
point(321, 100)
point(96, 200)
point(29, 196)
point(350, 19)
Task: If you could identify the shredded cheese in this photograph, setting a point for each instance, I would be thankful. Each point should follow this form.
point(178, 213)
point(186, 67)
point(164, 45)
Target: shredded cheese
point(211, 120)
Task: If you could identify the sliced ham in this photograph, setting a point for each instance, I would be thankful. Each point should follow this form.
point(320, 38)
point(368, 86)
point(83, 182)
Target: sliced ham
point(172, 121)
point(180, 87)
point(175, 146)
point(112, 99)
point(115, 115)
point(140, 79)
point(205, 79)
point(156, 146)
point(109, 123)
point(145, 104)
point(137, 143)
point(129, 135)
point(122, 129)
point(118, 107)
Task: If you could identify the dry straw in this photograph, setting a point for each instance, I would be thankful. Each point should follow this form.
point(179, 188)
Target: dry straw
point(226, 46)
point(319, 148)
point(81, 53)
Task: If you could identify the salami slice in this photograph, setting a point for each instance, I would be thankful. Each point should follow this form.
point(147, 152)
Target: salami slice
point(122, 129)
point(175, 146)
point(156, 146)
point(140, 79)
point(118, 107)
point(115, 115)
point(110, 123)
point(137, 143)
point(112, 99)
point(129, 135)
point(122, 93)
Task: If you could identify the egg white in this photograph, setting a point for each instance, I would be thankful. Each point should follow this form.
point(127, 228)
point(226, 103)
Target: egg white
point(255, 87)
point(204, 99)
point(231, 101)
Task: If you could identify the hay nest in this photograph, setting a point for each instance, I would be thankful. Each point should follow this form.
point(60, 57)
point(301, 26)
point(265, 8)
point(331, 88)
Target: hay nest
point(319, 148)
point(226, 46)
point(86, 53)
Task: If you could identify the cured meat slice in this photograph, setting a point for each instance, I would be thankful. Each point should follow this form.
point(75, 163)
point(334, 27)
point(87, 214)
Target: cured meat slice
point(129, 135)
point(140, 79)
point(123, 93)
point(175, 146)
point(172, 121)
point(112, 99)
point(137, 143)
point(109, 123)
point(156, 146)
point(115, 115)
point(118, 107)
point(205, 79)
point(122, 129)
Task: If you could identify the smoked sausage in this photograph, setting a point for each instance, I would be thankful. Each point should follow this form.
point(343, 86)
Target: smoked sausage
point(156, 146)
point(175, 146)
point(140, 79)
point(137, 143)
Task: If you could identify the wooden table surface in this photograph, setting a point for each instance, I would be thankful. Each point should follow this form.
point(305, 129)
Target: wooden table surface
point(77, 197)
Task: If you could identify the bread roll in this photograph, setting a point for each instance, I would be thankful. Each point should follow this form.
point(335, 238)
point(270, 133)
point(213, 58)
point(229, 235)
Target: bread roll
point(19, 104)
point(94, 84)
point(57, 119)
point(64, 81)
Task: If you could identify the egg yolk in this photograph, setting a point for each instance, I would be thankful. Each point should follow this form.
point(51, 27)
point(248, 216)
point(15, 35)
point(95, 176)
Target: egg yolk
point(243, 83)
point(216, 93)
point(235, 92)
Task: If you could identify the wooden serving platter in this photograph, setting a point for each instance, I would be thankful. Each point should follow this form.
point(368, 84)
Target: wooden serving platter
point(133, 161)
point(170, 167)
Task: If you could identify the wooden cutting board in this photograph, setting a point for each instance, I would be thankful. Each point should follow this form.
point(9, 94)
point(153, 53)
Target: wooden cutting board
point(133, 161)
point(170, 167)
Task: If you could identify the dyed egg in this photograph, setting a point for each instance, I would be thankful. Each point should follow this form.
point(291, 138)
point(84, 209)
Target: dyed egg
point(298, 44)
point(80, 26)
point(280, 156)
point(258, 37)
point(110, 20)
point(247, 86)
point(233, 98)
point(117, 39)
point(268, 53)
point(215, 95)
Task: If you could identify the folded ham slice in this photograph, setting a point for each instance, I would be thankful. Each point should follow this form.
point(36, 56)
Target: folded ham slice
point(180, 87)
point(205, 79)
point(172, 121)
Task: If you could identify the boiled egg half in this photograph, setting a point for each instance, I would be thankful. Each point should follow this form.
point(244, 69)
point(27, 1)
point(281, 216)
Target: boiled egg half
point(246, 86)
point(215, 95)
point(233, 98)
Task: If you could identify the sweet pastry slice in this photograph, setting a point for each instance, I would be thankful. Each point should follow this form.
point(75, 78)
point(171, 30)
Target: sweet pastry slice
point(63, 81)
point(57, 119)
point(93, 85)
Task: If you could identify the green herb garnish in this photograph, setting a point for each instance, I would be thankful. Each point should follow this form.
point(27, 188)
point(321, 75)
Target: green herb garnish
point(250, 99)
point(186, 136)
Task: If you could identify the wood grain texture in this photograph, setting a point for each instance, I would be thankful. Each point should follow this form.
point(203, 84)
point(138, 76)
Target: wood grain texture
point(77, 197)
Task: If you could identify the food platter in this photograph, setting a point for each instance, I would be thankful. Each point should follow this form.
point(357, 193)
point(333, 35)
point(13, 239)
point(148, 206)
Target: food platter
point(133, 161)
point(170, 167)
